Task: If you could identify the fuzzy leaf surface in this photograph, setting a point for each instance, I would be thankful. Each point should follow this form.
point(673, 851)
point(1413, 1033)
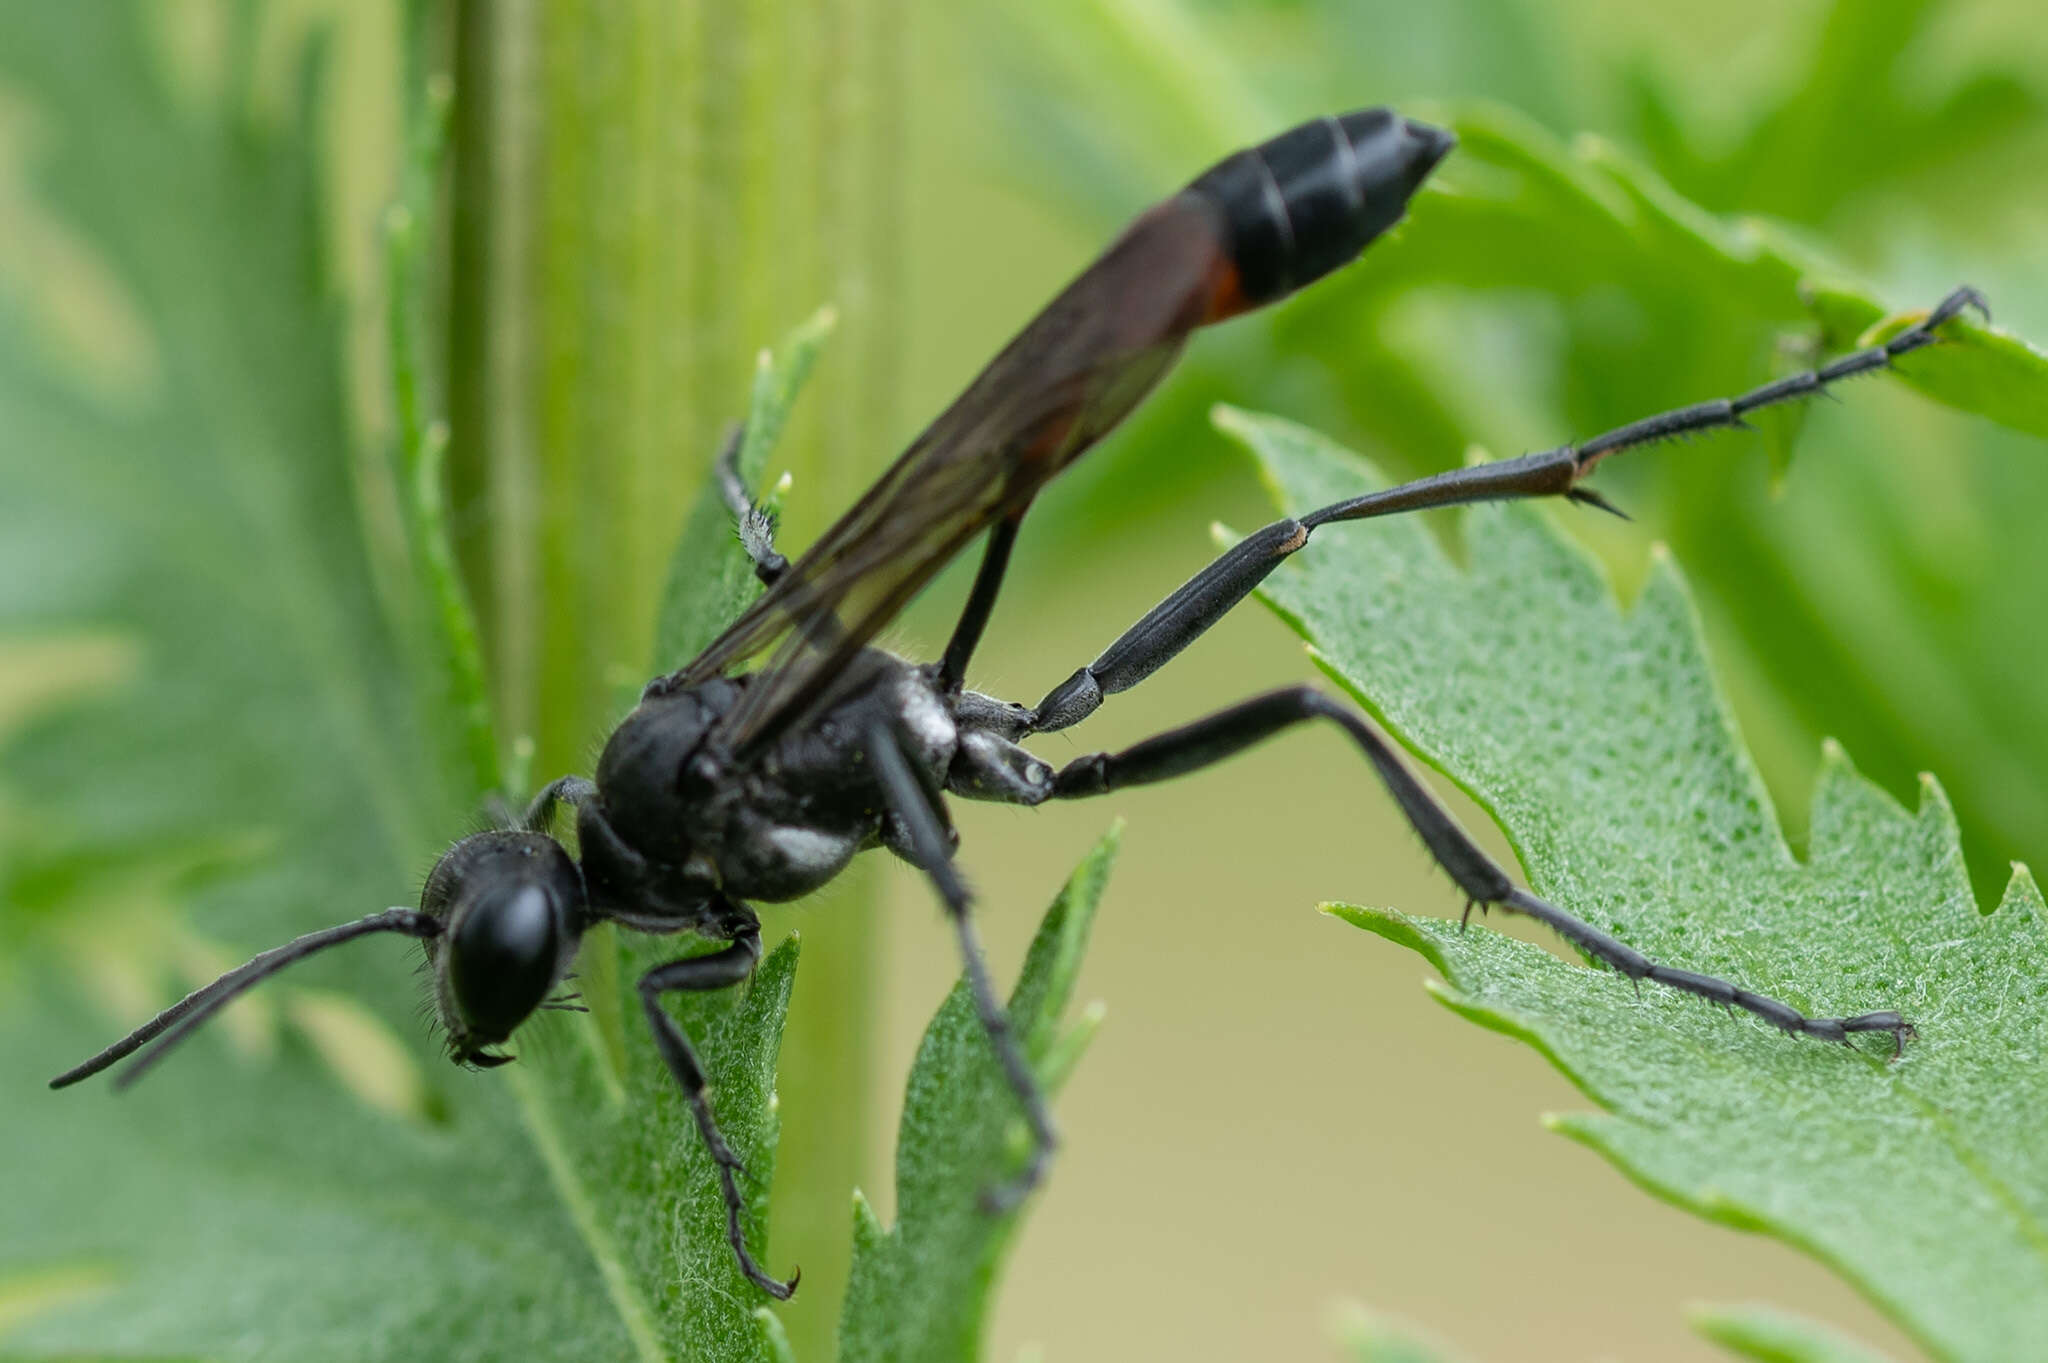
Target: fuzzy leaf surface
point(1596, 738)
point(920, 1289)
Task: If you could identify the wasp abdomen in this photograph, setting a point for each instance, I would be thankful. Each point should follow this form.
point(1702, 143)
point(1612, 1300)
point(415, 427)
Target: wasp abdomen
point(1300, 205)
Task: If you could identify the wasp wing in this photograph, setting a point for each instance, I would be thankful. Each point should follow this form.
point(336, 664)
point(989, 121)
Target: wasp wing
point(1070, 376)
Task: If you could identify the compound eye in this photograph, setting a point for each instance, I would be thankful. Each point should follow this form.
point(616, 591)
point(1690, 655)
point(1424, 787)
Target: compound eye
point(502, 957)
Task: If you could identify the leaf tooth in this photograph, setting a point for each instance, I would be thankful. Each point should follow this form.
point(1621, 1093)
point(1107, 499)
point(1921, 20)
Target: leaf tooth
point(2021, 891)
point(1847, 808)
point(1065, 1052)
point(1770, 1335)
point(774, 1339)
point(1936, 813)
point(868, 1231)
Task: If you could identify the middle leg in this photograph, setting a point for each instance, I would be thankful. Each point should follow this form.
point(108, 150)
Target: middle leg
point(919, 810)
point(1181, 751)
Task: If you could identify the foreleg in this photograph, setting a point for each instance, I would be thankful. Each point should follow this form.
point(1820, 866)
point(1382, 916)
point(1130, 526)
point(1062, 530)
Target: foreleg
point(569, 790)
point(718, 970)
point(756, 526)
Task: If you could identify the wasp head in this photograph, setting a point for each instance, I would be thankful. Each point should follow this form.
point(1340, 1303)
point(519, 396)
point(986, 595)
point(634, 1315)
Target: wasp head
point(512, 908)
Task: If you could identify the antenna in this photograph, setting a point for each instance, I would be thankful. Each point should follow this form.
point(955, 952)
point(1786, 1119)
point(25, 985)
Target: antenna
point(182, 1018)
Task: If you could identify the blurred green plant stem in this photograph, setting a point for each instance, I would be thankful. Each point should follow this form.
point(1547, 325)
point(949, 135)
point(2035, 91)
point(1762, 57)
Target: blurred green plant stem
point(644, 195)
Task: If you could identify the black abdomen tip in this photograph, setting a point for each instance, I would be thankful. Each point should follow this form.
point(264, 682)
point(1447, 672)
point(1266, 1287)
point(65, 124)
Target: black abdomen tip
point(1308, 201)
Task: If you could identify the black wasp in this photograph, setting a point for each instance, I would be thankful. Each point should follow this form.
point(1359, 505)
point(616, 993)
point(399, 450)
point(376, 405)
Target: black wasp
point(727, 786)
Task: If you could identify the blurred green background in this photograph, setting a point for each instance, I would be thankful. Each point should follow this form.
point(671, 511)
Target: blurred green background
point(1275, 1117)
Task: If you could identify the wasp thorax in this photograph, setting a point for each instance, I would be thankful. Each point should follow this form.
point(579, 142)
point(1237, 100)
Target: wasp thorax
point(653, 773)
point(514, 907)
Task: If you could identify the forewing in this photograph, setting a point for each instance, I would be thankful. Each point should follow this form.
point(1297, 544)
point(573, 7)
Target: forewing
point(1070, 376)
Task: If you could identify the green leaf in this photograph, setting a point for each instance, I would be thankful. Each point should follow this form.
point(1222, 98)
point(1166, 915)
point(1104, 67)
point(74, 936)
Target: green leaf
point(1892, 578)
point(709, 582)
point(626, 1160)
point(1597, 739)
point(1583, 215)
point(1768, 1335)
point(920, 1289)
point(1977, 368)
point(454, 662)
point(1861, 114)
point(248, 766)
point(223, 745)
